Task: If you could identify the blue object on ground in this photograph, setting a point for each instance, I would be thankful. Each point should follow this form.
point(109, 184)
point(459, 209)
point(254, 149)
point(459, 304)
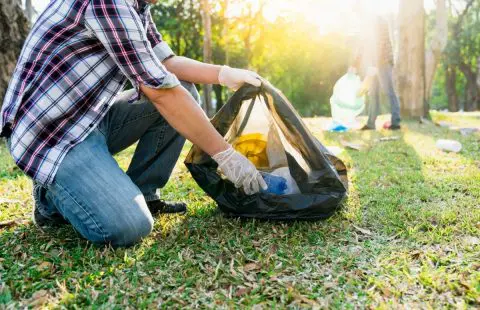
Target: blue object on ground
point(339, 128)
point(276, 185)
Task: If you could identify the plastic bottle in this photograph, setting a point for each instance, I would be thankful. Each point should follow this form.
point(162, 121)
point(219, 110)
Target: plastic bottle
point(276, 185)
point(449, 145)
point(292, 187)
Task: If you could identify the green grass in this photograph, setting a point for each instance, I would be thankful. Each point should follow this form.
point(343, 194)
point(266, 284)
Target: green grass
point(409, 235)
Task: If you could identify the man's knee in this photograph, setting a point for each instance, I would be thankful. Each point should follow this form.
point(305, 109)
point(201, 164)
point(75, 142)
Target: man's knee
point(129, 228)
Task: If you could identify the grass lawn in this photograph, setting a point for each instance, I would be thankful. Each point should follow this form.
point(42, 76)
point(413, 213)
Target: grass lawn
point(408, 235)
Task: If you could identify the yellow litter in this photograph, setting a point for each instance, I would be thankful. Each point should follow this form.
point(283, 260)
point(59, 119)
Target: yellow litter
point(254, 147)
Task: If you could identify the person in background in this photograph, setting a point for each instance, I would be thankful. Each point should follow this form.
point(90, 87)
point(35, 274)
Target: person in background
point(373, 58)
point(64, 117)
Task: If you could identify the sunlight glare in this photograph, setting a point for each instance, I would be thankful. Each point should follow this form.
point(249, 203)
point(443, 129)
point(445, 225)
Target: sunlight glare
point(327, 15)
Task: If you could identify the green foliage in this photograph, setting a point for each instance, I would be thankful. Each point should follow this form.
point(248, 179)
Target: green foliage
point(462, 54)
point(179, 22)
point(439, 100)
point(303, 66)
point(289, 52)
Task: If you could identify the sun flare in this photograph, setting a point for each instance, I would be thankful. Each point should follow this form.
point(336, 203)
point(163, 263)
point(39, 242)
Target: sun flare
point(326, 15)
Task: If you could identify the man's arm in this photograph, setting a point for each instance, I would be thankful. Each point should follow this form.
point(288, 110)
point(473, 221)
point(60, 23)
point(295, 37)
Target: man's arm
point(193, 71)
point(181, 111)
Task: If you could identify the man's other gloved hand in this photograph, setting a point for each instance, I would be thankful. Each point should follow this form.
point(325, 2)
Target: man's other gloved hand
point(235, 78)
point(240, 171)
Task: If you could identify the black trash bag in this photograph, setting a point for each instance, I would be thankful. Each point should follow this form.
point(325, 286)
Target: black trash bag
point(320, 176)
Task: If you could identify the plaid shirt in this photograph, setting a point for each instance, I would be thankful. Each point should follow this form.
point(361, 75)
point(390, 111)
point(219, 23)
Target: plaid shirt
point(75, 61)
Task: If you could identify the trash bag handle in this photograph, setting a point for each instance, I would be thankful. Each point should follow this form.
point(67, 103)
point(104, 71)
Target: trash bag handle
point(247, 117)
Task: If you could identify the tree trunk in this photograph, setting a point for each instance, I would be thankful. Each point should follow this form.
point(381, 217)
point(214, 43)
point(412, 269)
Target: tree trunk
point(411, 60)
point(451, 88)
point(436, 48)
point(478, 84)
point(29, 10)
point(471, 103)
point(14, 28)
point(471, 87)
point(217, 89)
point(207, 53)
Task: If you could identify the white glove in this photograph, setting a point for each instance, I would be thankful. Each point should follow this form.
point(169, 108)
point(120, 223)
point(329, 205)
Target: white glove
point(235, 78)
point(240, 171)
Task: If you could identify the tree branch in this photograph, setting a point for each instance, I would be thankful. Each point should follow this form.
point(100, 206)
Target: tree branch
point(461, 17)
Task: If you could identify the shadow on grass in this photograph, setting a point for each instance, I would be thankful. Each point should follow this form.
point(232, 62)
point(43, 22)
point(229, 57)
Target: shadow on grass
point(387, 178)
point(206, 259)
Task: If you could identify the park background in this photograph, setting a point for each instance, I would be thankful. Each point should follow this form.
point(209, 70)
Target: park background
point(303, 47)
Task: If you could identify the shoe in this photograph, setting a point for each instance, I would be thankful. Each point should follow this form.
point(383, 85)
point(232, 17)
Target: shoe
point(162, 206)
point(389, 126)
point(365, 127)
point(38, 218)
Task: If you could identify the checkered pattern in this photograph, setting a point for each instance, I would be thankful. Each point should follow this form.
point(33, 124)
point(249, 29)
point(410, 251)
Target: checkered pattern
point(76, 59)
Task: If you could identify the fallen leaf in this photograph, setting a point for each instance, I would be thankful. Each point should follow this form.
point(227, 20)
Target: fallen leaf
point(416, 254)
point(468, 131)
point(232, 271)
point(363, 230)
point(273, 249)
point(353, 146)
point(386, 139)
point(3, 200)
point(470, 240)
point(44, 266)
point(386, 292)
point(302, 299)
point(258, 307)
point(251, 267)
point(443, 124)
point(39, 299)
point(242, 291)
point(8, 223)
point(12, 223)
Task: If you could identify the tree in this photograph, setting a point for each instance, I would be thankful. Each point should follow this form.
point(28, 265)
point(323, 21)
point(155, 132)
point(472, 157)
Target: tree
point(462, 54)
point(180, 23)
point(29, 10)
point(436, 47)
point(242, 37)
point(14, 28)
point(411, 60)
point(451, 87)
point(207, 52)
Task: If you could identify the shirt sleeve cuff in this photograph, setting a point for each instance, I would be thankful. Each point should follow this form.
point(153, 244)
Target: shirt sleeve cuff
point(169, 81)
point(163, 51)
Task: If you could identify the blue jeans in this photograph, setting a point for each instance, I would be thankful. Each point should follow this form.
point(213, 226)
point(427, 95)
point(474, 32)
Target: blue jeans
point(384, 83)
point(102, 202)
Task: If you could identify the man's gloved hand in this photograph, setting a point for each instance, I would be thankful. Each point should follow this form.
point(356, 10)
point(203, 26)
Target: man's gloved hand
point(240, 171)
point(235, 78)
